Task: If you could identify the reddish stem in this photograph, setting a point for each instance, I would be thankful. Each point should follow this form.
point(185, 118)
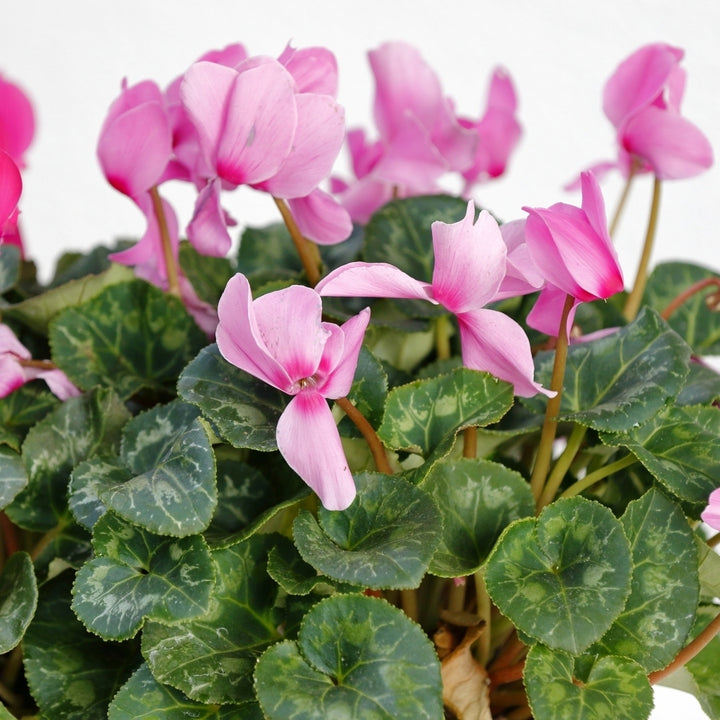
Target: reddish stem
point(507, 674)
point(713, 298)
point(9, 535)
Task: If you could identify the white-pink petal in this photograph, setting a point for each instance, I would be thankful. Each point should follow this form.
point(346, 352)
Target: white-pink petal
point(321, 218)
point(308, 439)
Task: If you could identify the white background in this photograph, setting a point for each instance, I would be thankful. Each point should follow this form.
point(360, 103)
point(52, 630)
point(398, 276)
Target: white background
point(70, 56)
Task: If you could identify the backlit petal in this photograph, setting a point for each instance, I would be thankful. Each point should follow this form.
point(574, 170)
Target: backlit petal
point(321, 218)
point(361, 279)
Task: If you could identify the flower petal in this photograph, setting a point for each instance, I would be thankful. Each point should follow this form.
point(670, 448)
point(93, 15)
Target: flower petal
point(321, 218)
point(361, 279)
point(308, 439)
point(314, 69)
point(17, 121)
point(495, 343)
point(207, 230)
point(469, 261)
point(11, 375)
point(10, 186)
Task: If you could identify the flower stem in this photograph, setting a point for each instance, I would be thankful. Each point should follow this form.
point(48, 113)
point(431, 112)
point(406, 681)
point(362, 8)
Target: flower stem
point(623, 199)
point(484, 611)
point(306, 250)
point(713, 300)
point(408, 600)
point(591, 478)
point(549, 428)
point(170, 263)
point(442, 337)
point(470, 442)
point(632, 304)
point(562, 465)
point(39, 364)
point(688, 652)
point(9, 535)
point(376, 447)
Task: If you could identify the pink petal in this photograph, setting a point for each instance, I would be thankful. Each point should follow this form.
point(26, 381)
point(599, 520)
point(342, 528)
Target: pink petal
point(135, 148)
point(314, 69)
point(59, 384)
point(501, 93)
point(10, 345)
point(711, 514)
point(10, 186)
point(230, 56)
point(546, 313)
point(321, 218)
point(339, 368)
point(17, 121)
point(259, 125)
point(11, 375)
point(290, 324)
point(360, 279)
point(469, 261)
point(639, 80)
point(674, 147)
point(207, 230)
point(522, 275)
point(239, 338)
point(495, 343)
point(318, 138)
point(308, 439)
point(363, 154)
point(364, 197)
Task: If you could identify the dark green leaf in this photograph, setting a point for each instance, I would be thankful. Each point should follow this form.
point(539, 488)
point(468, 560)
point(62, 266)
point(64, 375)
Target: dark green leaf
point(355, 657)
point(621, 380)
point(245, 410)
point(368, 393)
point(564, 577)
point(614, 687)
point(71, 673)
point(21, 409)
point(171, 490)
point(697, 324)
point(660, 611)
point(680, 446)
point(130, 336)
point(265, 248)
point(477, 500)
point(702, 386)
point(144, 698)
point(385, 539)
point(13, 477)
point(211, 659)
point(87, 481)
point(9, 267)
point(137, 575)
point(208, 275)
point(78, 429)
point(18, 599)
point(425, 415)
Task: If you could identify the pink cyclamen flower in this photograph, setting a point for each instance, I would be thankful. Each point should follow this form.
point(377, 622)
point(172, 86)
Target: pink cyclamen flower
point(16, 369)
point(470, 264)
point(281, 339)
point(10, 189)
point(711, 514)
point(572, 249)
point(257, 127)
point(17, 121)
point(642, 99)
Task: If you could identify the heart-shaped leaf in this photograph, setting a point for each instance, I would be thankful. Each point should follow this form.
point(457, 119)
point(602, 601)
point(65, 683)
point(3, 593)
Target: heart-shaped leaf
point(244, 410)
point(564, 577)
point(21, 409)
point(137, 575)
point(13, 477)
point(18, 599)
point(355, 657)
point(615, 687)
point(477, 499)
point(385, 539)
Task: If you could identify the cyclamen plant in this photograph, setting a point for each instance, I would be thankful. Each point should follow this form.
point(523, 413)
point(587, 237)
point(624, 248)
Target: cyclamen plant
point(390, 458)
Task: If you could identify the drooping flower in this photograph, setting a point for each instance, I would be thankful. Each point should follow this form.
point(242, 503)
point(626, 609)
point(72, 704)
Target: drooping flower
point(711, 514)
point(18, 368)
point(642, 100)
point(281, 339)
point(259, 124)
point(572, 249)
point(470, 264)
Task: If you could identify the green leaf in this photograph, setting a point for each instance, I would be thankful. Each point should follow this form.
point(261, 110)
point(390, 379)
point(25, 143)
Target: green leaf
point(564, 577)
point(615, 687)
point(660, 611)
point(71, 673)
point(87, 481)
point(368, 393)
point(424, 416)
point(171, 490)
point(245, 410)
point(130, 336)
point(78, 429)
point(21, 409)
point(137, 575)
point(400, 232)
point(268, 247)
point(143, 698)
point(37, 312)
point(621, 380)
point(477, 499)
point(702, 386)
point(211, 659)
point(9, 267)
point(208, 275)
point(385, 539)
point(18, 599)
point(697, 324)
point(680, 446)
point(355, 657)
point(13, 477)
point(704, 668)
